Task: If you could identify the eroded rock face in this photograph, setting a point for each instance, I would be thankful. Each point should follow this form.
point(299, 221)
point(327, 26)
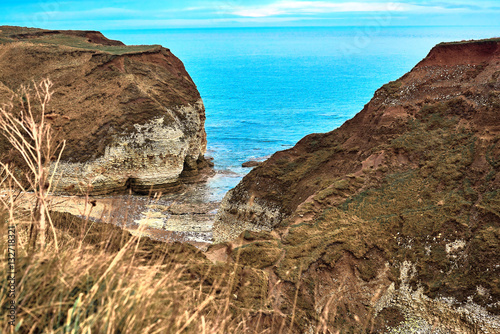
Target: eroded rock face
point(131, 115)
point(152, 158)
point(391, 221)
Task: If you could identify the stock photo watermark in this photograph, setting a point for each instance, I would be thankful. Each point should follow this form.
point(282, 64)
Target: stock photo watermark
point(48, 11)
point(366, 34)
point(11, 274)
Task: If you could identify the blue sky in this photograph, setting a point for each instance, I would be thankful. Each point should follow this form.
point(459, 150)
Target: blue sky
point(147, 14)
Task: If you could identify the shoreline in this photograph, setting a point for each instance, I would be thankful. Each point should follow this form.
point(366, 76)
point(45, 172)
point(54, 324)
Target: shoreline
point(187, 216)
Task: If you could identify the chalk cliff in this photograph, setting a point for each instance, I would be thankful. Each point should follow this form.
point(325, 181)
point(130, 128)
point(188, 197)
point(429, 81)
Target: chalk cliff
point(131, 116)
point(392, 220)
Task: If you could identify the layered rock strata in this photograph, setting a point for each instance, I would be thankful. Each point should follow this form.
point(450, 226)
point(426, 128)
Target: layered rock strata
point(131, 116)
point(390, 223)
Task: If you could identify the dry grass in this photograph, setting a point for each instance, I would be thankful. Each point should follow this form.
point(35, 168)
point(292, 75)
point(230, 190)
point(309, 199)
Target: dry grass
point(28, 131)
point(113, 285)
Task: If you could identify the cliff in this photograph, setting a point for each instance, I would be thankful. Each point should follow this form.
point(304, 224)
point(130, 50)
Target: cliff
point(131, 116)
point(393, 219)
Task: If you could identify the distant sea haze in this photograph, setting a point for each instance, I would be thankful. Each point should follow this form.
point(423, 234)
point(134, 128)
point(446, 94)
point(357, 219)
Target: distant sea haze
point(266, 88)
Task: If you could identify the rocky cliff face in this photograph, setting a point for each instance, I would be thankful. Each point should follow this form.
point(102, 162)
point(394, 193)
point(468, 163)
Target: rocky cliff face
point(131, 116)
point(391, 221)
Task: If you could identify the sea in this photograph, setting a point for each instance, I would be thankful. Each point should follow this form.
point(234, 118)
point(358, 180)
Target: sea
point(266, 88)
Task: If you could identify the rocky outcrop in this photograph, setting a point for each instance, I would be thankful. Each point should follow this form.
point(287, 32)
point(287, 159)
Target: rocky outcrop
point(250, 164)
point(131, 116)
point(392, 221)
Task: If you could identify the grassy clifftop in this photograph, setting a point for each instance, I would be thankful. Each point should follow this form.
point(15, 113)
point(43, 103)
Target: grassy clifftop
point(87, 40)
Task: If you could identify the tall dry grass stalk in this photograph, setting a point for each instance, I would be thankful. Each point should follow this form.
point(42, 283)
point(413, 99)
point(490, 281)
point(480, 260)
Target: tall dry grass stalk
point(24, 125)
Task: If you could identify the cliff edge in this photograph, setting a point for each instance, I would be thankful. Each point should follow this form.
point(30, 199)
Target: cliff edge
point(392, 221)
point(131, 116)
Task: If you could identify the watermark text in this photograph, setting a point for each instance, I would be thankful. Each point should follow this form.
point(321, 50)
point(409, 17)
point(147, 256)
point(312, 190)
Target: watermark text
point(11, 274)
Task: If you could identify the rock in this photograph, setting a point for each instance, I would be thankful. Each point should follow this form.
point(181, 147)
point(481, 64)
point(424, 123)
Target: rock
point(131, 116)
point(251, 163)
point(393, 219)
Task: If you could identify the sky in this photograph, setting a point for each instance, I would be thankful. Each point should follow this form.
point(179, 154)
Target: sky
point(161, 14)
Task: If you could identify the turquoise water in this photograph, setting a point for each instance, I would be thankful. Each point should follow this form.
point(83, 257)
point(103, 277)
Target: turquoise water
point(266, 88)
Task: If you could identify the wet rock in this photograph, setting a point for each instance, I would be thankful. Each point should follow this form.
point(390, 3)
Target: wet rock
point(251, 163)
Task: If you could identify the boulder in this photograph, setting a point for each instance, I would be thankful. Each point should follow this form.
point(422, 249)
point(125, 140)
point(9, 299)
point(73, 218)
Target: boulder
point(250, 164)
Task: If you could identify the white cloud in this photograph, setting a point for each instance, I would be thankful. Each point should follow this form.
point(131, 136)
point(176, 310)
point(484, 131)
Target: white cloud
point(318, 7)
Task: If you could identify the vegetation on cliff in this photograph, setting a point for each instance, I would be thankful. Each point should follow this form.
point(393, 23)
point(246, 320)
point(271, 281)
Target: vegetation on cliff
point(396, 214)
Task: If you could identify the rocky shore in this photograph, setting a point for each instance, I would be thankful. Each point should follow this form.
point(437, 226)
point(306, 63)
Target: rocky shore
point(178, 217)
